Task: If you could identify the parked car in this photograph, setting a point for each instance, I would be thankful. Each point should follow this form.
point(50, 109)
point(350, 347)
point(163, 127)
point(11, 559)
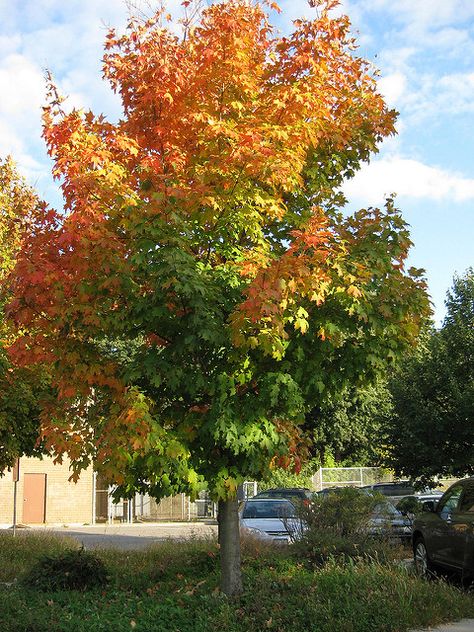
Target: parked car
point(396, 490)
point(330, 490)
point(388, 521)
point(269, 519)
point(393, 491)
point(291, 493)
point(413, 505)
point(444, 536)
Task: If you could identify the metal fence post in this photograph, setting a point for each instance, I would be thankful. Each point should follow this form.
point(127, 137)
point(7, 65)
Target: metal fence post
point(94, 497)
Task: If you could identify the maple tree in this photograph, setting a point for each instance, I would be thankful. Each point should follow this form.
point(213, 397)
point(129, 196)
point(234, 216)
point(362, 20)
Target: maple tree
point(21, 387)
point(200, 291)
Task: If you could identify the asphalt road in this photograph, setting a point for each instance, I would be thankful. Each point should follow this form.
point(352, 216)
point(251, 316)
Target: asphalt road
point(129, 537)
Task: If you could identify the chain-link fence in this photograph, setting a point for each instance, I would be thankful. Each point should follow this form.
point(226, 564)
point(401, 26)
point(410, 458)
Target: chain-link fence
point(143, 508)
point(350, 477)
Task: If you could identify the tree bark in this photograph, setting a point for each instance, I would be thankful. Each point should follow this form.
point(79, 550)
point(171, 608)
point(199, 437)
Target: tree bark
point(229, 540)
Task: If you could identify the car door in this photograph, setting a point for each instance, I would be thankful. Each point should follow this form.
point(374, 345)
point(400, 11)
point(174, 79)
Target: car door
point(462, 525)
point(443, 528)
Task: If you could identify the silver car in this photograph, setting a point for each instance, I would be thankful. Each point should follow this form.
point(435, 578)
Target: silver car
point(270, 520)
point(387, 521)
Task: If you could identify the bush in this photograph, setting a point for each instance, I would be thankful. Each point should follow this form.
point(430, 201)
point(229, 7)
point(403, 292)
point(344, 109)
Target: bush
point(72, 570)
point(336, 526)
point(410, 506)
point(287, 477)
point(26, 548)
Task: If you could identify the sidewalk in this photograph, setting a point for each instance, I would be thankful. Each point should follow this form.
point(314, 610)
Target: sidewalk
point(466, 625)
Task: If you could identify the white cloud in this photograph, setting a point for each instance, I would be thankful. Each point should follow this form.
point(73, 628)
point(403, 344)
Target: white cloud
point(66, 37)
point(434, 96)
point(22, 90)
point(393, 87)
point(295, 9)
point(10, 142)
point(21, 85)
point(407, 178)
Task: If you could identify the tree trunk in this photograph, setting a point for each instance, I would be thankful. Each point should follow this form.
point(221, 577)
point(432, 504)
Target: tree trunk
point(229, 540)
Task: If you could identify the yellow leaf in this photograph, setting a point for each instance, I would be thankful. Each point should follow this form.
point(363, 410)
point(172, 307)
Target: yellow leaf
point(354, 291)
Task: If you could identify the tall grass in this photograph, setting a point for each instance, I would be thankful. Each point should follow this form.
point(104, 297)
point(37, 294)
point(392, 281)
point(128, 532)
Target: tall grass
point(18, 553)
point(173, 587)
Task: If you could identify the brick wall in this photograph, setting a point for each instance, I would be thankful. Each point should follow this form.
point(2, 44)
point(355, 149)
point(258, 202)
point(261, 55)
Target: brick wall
point(65, 502)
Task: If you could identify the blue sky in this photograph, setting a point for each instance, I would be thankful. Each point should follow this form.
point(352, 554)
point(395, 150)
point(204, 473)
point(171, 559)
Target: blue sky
point(424, 51)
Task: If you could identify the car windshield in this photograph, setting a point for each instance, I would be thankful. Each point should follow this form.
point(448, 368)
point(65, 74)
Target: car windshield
point(268, 509)
point(387, 509)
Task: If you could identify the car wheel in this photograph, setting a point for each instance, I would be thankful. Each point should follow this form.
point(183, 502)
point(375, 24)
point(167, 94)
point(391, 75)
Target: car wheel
point(423, 565)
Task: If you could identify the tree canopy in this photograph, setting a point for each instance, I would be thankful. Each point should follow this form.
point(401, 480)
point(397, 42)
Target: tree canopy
point(350, 428)
point(21, 387)
point(431, 432)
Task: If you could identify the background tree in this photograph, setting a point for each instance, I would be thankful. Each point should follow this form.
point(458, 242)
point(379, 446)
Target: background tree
point(190, 232)
point(432, 432)
point(21, 388)
point(349, 427)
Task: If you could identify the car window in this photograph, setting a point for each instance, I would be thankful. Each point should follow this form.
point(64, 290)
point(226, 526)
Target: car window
point(268, 509)
point(449, 501)
point(467, 502)
point(386, 509)
point(394, 489)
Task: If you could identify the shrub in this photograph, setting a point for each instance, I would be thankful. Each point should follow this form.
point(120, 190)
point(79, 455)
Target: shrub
point(72, 570)
point(410, 505)
point(337, 525)
point(26, 548)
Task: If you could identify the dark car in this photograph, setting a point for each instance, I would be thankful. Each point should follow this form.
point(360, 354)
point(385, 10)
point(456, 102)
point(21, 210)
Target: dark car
point(291, 493)
point(393, 490)
point(397, 490)
point(444, 536)
point(329, 490)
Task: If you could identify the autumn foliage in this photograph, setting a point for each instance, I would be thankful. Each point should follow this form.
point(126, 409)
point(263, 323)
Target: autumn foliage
point(200, 290)
point(21, 386)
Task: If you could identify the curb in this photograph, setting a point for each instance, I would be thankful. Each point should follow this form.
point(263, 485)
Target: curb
point(466, 625)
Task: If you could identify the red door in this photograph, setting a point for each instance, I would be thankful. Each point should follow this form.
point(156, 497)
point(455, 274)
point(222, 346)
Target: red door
point(34, 498)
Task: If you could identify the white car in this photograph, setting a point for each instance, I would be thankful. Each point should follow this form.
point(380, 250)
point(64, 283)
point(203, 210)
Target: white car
point(270, 520)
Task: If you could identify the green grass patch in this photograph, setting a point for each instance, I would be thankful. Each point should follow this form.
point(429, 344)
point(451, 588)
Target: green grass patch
point(173, 587)
point(19, 553)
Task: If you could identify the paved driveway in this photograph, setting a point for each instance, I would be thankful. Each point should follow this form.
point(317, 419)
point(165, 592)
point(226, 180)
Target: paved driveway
point(134, 536)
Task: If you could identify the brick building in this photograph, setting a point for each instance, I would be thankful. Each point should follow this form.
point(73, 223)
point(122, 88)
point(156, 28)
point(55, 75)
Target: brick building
point(44, 494)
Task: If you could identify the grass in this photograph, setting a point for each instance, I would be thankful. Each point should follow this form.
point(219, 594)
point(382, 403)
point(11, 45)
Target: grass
point(174, 588)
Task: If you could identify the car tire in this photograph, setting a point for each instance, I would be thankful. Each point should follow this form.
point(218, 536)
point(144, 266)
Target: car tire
point(423, 566)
